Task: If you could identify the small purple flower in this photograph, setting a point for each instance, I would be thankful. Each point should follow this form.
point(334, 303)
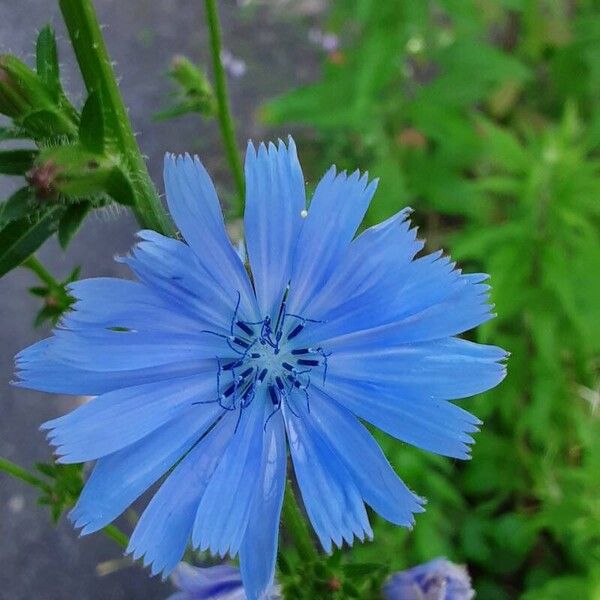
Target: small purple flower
point(438, 579)
point(222, 582)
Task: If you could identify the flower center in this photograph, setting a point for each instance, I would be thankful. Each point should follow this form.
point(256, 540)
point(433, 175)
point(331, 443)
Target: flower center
point(267, 355)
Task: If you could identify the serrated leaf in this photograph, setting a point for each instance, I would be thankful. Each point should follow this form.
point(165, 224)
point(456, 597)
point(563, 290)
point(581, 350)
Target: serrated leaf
point(16, 162)
point(20, 239)
point(47, 61)
point(17, 206)
point(91, 126)
point(71, 221)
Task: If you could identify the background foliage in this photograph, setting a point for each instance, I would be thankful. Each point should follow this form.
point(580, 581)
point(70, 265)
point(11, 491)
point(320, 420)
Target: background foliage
point(485, 117)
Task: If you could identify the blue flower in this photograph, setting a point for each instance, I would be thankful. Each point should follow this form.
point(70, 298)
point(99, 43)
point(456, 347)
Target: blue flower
point(204, 369)
point(438, 579)
point(222, 582)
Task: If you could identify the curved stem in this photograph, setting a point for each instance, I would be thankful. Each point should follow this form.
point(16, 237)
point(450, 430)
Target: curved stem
point(20, 473)
point(223, 105)
point(98, 75)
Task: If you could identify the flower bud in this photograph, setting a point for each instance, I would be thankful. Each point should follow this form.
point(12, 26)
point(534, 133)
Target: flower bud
point(438, 579)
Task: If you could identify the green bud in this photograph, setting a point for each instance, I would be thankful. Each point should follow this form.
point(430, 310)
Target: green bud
point(26, 99)
point(20, 88)
point(79, 174)
point(194, 94)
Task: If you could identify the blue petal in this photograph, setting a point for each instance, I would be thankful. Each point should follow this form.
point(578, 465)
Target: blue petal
point(165, 527)
point(330, 495)
point(194, 205)
point(367, 262)
point(434, 425)
point(379, 486)
point(109, 350)
point(221, 582)
point(224, 510)
point(444, 369)
point(258, 551)
point(121, 417)
point(275, 197)
point(106, 303)
point(39, 369)
point(426, 299)
point(173, 272)
point(337, 209)
point(118, 479)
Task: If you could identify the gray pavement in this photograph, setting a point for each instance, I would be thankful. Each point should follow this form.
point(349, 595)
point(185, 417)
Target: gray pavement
point(37, 560)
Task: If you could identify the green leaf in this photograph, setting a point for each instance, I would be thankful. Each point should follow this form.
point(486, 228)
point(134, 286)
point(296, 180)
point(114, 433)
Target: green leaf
point(17, 206)
point(119, 187)
point(16, 162)
point(71, 221)
point(47, 61)
point(20, 239)
point(46, 123)
point(91, 127)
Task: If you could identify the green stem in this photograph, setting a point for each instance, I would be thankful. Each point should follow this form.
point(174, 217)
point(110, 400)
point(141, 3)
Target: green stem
point(20, 473)
point(98, 75)
point(223, 105)
point(33, 264)
point(295, 524)
point(114, 533)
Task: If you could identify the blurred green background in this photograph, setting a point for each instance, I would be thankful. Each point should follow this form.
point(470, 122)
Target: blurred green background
point(484, 116)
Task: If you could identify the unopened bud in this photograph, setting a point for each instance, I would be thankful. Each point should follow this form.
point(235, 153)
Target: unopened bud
point(42, 178)
point(14, 96)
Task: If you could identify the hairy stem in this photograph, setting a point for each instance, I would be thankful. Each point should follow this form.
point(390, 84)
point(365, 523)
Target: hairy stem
point(223, 104)
point(98, 75)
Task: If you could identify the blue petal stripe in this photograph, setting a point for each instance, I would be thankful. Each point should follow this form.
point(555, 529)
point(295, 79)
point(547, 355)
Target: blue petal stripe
point(194, 205)
point(444, 369)
point(428, 298)
point(119, 418)
point(275, 197)
point(119, 478)
point(173, 272)
point(164, 529)
point(258, 551)
point(337, 209)
point(105, 302)
point(434, 425)
point(224, 510)
point(108, 350)
point(377, 482)
point(39, 369)
point(332, 501)
point(389, 245)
